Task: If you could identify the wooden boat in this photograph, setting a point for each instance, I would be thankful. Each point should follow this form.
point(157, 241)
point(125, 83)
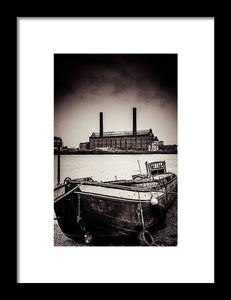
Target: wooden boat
point(89, 209)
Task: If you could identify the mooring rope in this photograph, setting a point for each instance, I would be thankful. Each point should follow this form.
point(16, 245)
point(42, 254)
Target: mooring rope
point(142, 235)
point(141, 211)
point(64, 195)
point(78, 214)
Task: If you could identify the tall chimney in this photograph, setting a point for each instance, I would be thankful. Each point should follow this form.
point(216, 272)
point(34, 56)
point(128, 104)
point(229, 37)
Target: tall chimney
point(134, 121)
point(101, 125)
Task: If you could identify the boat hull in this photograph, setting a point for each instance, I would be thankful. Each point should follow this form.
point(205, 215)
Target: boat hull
point(102, 214)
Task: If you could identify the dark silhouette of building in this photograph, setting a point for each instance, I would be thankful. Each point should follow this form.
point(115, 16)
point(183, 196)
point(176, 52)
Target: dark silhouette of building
point(58, 142)
point(84, 146)
point(135, 139)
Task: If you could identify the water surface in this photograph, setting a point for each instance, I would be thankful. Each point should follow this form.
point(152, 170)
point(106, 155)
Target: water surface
point(110, 166)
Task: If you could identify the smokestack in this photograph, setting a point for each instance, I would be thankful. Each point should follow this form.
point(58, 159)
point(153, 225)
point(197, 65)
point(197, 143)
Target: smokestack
point(134, 121)
point(101, 125)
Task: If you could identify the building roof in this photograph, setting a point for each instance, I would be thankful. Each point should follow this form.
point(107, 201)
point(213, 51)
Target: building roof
point(121, 133)
point(82, 143)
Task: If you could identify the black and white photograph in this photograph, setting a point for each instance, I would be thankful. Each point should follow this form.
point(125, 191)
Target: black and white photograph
point(115, 149)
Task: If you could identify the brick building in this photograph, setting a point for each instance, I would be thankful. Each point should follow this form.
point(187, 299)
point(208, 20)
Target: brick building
point(135, 139)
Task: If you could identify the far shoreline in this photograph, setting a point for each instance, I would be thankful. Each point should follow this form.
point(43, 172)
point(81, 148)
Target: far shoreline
point(115, 153)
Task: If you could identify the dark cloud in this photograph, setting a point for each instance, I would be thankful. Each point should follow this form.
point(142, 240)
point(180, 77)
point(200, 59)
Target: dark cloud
point(121, 71)
point(121, 84)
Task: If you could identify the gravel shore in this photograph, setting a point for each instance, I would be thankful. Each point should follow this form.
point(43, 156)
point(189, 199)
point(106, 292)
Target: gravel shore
point(164, 236)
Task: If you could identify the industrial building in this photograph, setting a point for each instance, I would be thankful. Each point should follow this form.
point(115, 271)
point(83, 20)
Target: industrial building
point(124, 140)
point(84, 146)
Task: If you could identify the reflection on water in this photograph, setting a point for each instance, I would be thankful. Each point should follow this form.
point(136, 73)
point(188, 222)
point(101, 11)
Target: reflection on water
point(106, 167)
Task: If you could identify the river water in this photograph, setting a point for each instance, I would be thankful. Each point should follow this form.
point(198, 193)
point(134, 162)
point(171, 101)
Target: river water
point(110, 166)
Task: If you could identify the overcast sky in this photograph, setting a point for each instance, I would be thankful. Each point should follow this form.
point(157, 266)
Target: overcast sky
point(86, 84)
